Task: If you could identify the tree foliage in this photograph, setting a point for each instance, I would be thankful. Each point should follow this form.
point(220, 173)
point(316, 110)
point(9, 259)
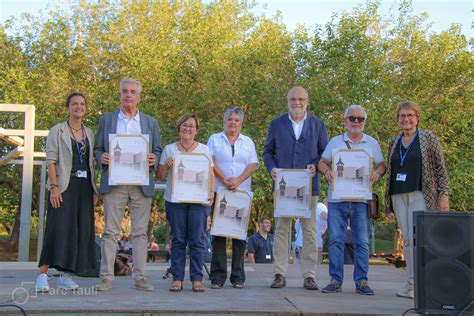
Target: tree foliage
point(201, 57)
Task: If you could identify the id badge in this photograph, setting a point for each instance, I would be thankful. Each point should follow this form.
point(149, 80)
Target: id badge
point(82, 174)
point(268, 257)
point(402, 177)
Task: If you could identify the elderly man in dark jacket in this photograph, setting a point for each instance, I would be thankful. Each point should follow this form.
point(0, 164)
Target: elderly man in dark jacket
point(296, 140)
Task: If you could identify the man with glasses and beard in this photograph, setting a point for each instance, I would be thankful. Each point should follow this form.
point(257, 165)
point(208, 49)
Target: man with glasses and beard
point(296, 140)
point(341, 210)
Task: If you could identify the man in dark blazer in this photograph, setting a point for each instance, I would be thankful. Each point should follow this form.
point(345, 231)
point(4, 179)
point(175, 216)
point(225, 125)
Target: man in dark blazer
point(126, 120)
point(296, 140)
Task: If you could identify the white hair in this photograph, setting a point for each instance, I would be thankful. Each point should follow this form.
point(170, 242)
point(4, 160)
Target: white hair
point(131, 80)
point(296, 88)
point(234, 110)
point(354, 107)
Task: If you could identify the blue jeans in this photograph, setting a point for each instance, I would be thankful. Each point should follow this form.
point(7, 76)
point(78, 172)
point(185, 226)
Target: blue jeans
point(188, 228)
point(339, 213)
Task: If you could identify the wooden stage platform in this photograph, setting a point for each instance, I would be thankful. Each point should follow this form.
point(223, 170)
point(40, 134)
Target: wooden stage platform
point(257, 298)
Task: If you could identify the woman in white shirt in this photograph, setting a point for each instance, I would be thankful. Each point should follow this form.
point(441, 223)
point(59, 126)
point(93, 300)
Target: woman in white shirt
point(187, 221)
point(235, 160)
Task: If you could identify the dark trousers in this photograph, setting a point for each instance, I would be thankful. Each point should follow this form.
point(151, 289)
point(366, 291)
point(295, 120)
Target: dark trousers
point(188, 228)
point(219, 261)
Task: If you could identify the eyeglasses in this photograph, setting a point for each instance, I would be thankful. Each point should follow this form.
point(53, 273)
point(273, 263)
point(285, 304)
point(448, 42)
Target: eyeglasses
point(359, 119)
point(297, 99)
point(408, 116)
point(188, 126)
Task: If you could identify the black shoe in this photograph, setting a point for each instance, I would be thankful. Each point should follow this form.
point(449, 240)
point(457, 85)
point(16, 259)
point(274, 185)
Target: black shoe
point(310, 284)
point(279, 282)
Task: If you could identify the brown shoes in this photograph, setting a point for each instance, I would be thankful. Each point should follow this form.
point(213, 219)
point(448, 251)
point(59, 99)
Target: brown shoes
point(176, 286)
point(198, 286)
point(279, 282)
point(310, 284)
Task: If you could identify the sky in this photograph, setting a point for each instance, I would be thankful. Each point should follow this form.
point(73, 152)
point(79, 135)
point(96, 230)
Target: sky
point(442, 13)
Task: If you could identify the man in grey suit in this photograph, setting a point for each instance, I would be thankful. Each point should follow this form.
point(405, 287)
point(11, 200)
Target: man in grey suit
point(126, 120)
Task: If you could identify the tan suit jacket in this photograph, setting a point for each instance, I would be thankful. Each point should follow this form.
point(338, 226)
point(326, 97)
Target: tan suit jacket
point(59, 152)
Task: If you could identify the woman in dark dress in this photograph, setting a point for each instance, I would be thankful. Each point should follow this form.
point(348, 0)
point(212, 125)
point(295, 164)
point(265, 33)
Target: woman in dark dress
point(69, 240)
point(417, 180)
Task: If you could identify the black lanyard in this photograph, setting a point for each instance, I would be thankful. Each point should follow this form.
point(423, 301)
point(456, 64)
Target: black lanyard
point(81, 151)
point(404, 156)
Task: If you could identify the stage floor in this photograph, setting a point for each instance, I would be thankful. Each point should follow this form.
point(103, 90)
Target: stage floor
point(257, 298)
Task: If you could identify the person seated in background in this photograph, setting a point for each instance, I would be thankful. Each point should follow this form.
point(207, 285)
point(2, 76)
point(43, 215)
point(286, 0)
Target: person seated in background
point(121, 243)
point(260, 244)
point(152, 245)
point(127, 247)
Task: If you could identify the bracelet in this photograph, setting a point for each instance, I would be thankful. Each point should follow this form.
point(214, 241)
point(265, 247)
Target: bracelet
point(52, 185)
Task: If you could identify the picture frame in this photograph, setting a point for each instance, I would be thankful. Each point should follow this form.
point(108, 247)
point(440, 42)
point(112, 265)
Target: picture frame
point(191, 178)
point(292, 193)
point(231, 214)
point(128, 164)
point(351, 174)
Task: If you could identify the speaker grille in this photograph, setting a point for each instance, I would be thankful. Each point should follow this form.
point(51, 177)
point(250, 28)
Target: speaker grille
point(446, 238)
point(443, 261)
point(449, 284)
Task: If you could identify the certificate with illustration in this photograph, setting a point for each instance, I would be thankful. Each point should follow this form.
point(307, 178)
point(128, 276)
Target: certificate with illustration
point(128, 163)
point(231, 214)
point(292, 193)
point(191, 178)
point(351, 172)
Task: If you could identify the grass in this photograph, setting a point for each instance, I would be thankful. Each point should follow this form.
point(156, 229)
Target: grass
point(385, 246)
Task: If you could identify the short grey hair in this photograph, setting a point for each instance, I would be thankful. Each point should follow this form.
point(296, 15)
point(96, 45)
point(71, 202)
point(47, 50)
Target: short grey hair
point(234, 110)
point(295, 88)
point(354, 107)
point(131, 80)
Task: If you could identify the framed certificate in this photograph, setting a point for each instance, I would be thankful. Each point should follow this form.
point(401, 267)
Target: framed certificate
point(292, 194)
point(231, 214)
point(351, 172)
point(191, 178)
point(128, 163)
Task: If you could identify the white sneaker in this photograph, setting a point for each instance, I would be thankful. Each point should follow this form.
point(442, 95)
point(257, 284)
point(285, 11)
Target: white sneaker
point(41, 284)
point(65, 282)
point(407, 291)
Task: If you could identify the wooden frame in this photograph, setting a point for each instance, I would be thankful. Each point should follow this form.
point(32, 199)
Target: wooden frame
point(128, 163)
point(352, 169)
point(292, 193)
point(191, 178)
point(231, 214)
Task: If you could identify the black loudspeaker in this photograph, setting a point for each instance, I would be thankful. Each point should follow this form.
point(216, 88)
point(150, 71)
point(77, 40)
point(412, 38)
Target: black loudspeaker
point(443, 262)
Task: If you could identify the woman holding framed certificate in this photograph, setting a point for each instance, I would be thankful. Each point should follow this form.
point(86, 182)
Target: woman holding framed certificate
point(69, 240)
point(417, 179)
point(188, 219)
point(235, 161)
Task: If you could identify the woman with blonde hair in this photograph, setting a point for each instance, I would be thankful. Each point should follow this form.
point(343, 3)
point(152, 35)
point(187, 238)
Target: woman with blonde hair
point(417, 179)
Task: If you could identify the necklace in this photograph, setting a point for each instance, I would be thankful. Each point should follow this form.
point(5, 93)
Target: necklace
point(73, 128)
point(186, 149)
point(81, 145)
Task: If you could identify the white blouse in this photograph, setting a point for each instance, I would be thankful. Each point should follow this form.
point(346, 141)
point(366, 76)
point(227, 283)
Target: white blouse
point(233, 166)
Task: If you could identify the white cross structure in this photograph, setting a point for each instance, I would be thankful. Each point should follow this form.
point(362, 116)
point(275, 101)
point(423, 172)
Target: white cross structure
point(25, 149)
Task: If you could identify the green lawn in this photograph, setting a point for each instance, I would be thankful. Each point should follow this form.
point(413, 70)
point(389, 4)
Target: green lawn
point(385, 246)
